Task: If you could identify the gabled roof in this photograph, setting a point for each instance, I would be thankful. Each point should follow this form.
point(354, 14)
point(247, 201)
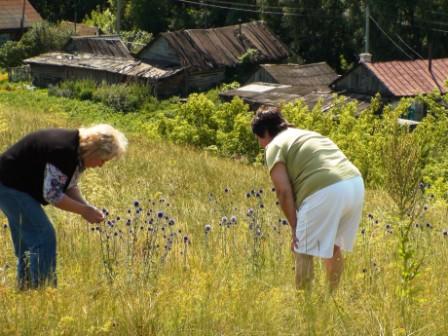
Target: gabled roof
point(123, 66)
point(204, 49)
point(11, 14)
point(103, 45)
point(313, 74)
point(408, 78)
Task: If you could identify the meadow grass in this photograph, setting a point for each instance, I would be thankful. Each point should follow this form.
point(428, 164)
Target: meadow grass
point(236, 279)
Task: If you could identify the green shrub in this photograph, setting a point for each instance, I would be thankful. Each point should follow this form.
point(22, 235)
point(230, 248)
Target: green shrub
point(42, 37)
point(122, 97)
point(80, 89)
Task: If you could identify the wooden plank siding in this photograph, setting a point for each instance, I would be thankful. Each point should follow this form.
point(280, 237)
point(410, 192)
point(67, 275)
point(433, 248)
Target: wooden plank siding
point(200, 81)
point(361, 81)
point(161, 54)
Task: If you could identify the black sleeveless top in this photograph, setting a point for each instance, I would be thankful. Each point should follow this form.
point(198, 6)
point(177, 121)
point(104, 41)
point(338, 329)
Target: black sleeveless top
point(22, 166)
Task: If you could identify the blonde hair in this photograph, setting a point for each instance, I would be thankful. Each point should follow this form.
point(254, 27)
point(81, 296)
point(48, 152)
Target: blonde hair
point(102, 140)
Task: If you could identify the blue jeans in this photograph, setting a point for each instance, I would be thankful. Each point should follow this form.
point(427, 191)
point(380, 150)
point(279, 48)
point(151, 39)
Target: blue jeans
point(33, 236)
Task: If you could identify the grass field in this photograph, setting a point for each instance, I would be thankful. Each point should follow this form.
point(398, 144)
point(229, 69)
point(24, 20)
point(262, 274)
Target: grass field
point(236, 279)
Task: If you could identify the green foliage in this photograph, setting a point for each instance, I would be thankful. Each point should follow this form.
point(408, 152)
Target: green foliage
point(137, 39)
point(42, 37)
point(120, 97)
point(249, 56)
point(81, 89)
point(103, 19)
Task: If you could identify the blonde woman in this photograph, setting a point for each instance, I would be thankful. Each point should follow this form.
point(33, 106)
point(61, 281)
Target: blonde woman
point(320, 192)
point(43, 168)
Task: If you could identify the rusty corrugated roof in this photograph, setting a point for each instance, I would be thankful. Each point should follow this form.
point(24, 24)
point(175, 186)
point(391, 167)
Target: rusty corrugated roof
point(103, 45)
point(313, 74)
point(410, 78)
point(11, 14)
point(204, 49)
point(123, 66)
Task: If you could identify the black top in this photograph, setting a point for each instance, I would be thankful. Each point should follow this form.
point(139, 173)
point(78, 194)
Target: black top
point(22, 166)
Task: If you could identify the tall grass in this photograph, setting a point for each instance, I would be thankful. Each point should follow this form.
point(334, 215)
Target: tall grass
point(235, 279)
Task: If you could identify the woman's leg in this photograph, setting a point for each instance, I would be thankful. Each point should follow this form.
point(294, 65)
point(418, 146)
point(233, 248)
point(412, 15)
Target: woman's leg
point(304, 270)
point(33, 237)
point(334, 267)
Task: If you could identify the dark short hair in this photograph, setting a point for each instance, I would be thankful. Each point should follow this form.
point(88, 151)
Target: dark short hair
point(270, 119)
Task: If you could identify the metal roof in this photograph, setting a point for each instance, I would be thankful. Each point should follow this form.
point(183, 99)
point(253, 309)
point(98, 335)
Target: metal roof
point(409, 78)
point(123, 66)
point(204, 49)
point(260, 93)
point(103, 45)
point(11, 14)
point(313, 74)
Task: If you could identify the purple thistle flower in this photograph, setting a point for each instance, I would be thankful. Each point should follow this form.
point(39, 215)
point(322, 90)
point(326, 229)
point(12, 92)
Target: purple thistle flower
point(207, 228)
point(160, 214)
point(224, 220)
point(250, 212)
point(233, 219)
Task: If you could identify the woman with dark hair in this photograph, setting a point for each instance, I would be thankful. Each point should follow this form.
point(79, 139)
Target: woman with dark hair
point(320, 192)
point(42, 168)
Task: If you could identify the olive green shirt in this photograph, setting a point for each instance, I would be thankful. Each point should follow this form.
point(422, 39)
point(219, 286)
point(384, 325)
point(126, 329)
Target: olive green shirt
point(312, 160)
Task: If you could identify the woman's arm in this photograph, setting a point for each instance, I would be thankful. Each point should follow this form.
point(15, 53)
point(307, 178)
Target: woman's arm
point(285, 195)
point(75, 194)
point(88, 212)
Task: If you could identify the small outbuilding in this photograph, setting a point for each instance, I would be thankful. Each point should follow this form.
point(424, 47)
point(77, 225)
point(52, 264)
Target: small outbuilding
point(259, 93)
point(51, 68)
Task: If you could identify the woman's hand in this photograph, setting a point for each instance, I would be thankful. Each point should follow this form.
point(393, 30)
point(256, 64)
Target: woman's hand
point(92, 214)
point(294, 243)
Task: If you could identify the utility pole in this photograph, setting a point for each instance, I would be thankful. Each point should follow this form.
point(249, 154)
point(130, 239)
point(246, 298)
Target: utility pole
point(22, 20)
point(118, 17)
point(367, 28)
point(75, 3)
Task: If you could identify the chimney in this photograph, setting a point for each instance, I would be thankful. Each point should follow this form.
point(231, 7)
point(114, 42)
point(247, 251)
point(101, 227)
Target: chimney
point(365, 58)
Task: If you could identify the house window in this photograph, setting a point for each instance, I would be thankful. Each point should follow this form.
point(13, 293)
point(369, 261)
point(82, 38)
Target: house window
point(416, 111)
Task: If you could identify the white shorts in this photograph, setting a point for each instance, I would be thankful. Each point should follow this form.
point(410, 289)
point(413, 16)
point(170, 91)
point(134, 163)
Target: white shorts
point(329, 217)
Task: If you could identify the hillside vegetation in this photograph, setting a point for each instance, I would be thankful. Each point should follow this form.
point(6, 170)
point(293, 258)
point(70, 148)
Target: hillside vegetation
point(200, 247)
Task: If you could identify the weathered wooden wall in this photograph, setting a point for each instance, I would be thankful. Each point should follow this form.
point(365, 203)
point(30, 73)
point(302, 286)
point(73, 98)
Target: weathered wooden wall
point(361, 81)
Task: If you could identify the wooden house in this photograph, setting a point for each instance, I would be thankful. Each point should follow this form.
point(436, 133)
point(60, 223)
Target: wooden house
point(394, 80)
point(15, 17)
point(207, 53)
